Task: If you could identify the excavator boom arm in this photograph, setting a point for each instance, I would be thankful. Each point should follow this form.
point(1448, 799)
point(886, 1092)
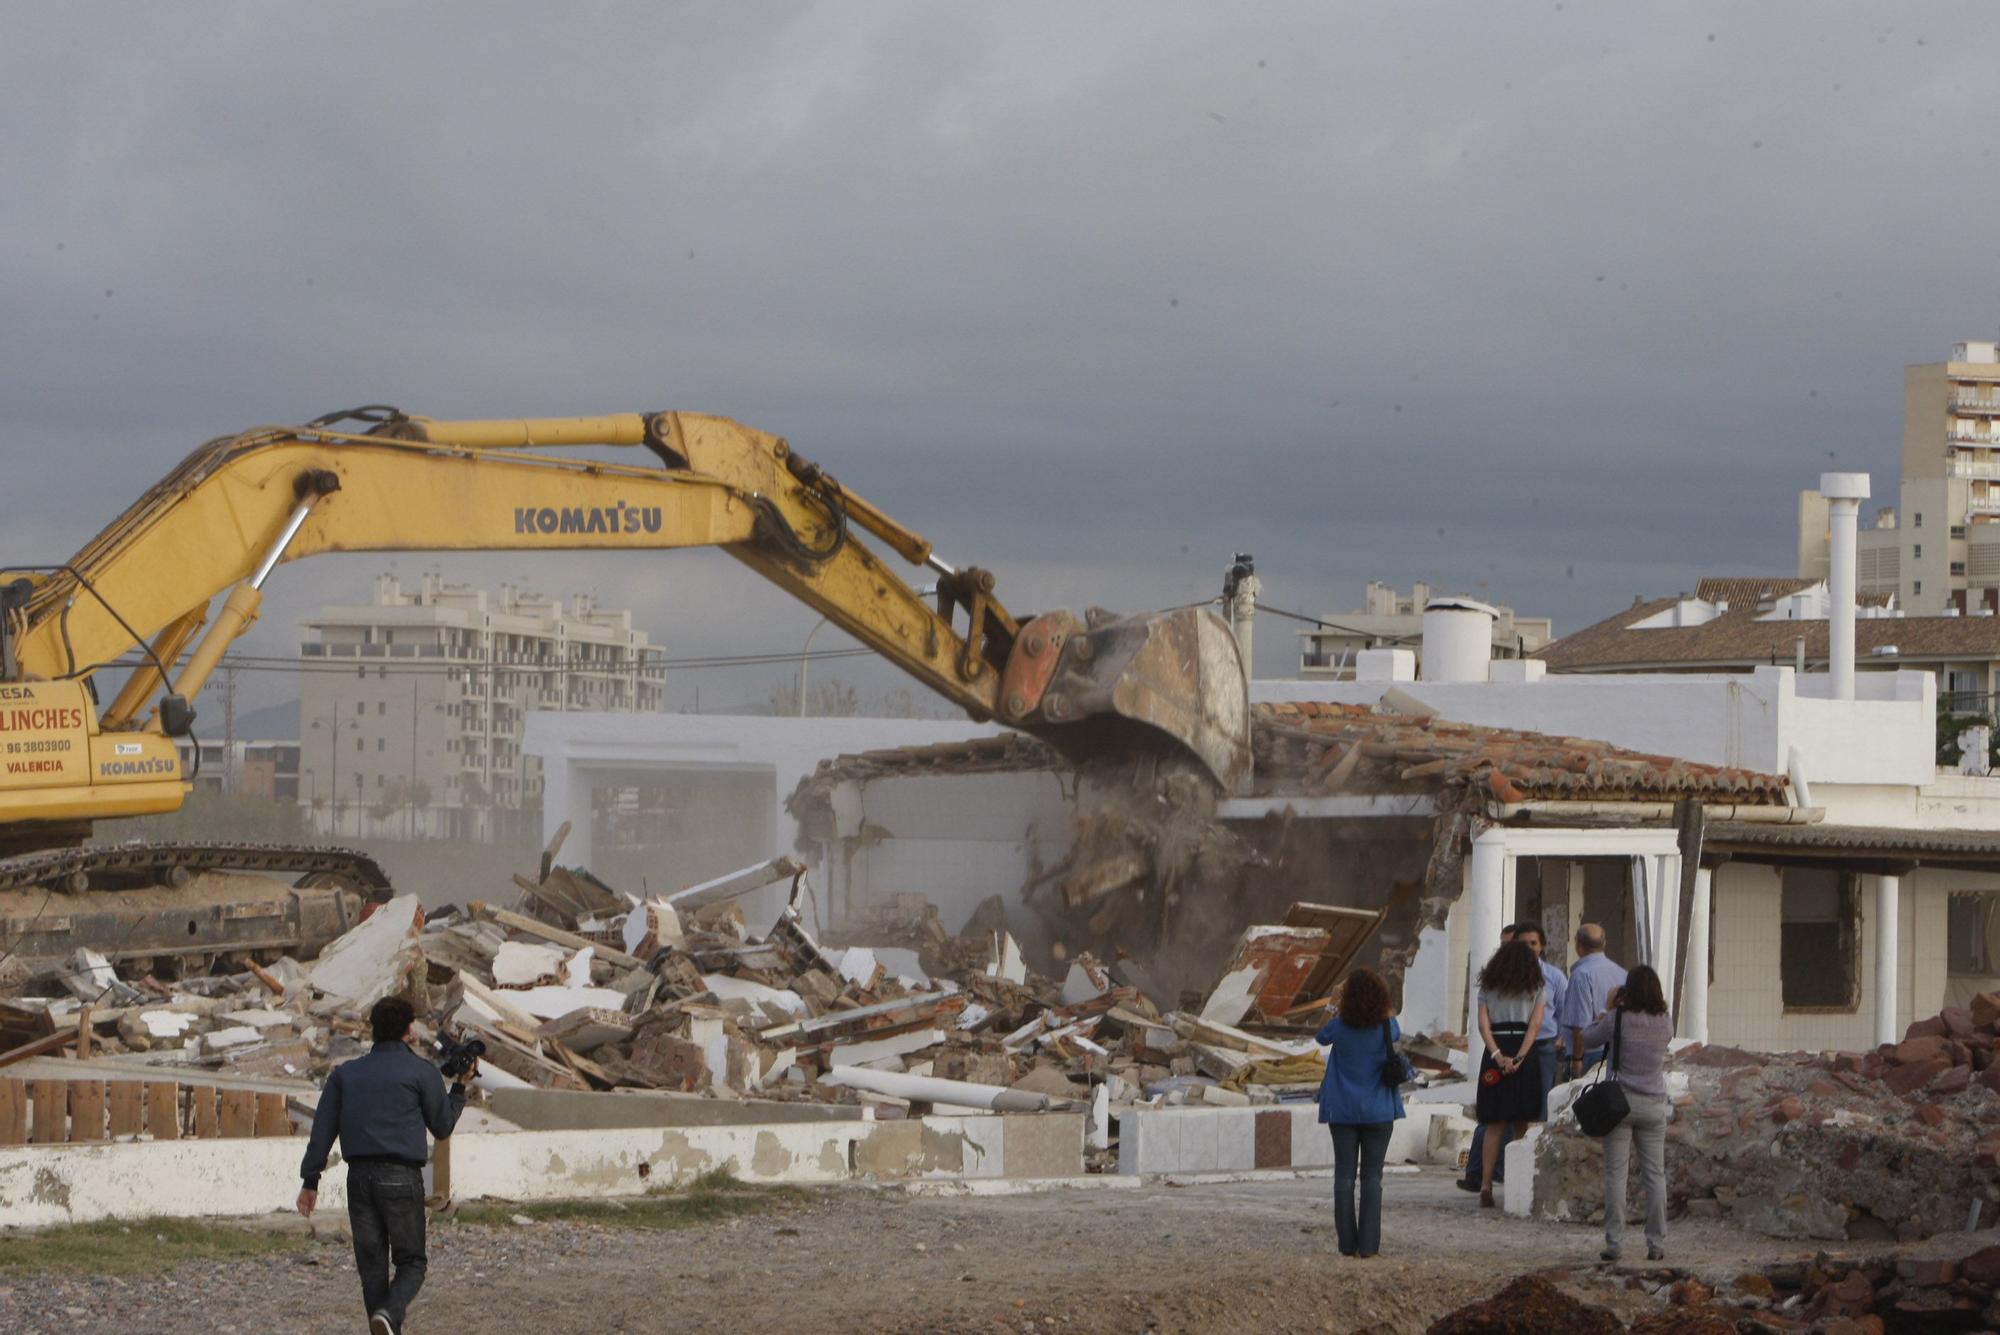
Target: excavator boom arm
point(415, 485)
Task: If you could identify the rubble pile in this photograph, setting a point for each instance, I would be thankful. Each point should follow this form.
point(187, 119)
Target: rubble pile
point(1901, 1142)
point(580, 987)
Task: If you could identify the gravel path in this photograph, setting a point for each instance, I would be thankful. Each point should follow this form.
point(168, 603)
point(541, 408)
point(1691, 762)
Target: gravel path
point(1199, 1258)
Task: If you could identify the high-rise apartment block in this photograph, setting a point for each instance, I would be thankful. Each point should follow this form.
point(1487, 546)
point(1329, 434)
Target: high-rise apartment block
point(413, 703)
point(1939, 550)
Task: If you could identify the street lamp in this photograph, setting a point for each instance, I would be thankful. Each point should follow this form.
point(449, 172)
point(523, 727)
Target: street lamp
point(803, 658)
point(338, 726)
point(410, 795)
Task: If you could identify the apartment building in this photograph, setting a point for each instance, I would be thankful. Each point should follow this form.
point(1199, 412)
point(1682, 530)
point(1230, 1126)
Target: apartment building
point(1939, 549)
point(1390, 619)
point(265, 770)
point(413, 703)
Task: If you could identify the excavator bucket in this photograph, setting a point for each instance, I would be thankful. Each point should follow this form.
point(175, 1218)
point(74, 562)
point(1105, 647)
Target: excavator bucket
point(1172, 678)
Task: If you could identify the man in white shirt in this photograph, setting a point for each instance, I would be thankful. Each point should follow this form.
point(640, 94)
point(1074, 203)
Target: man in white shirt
point(1591, 980)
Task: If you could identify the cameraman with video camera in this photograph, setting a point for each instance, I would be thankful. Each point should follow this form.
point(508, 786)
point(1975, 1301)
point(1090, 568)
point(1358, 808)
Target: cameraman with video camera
point(380, 1105)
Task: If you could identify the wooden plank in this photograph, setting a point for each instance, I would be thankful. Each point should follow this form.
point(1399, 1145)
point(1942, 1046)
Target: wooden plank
point(51, 1101)
point(13, 1112)
point(86, 1111)
point(205, 1111)
point(127, 1099)
point(239, 1114)
point(60, 1039)
point(83, 1034)
point(163, 1110)
point(264, 976)
point(272, 1119)
point(521, 922)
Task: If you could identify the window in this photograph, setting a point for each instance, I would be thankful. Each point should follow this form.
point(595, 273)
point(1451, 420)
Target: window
point(381, 707)
point(381, 743)
point(1819, 956)
point(1958, 530)
point(1916, 588)
point(1918, 552)
point(359, 708)
point(1972, 934)
point(1958, 567)
point(1917, 520)
point(357, 743)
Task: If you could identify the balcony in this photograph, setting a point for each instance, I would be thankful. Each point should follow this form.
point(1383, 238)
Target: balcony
point(1966, 704)
point(1974, 401)
point(1960, 466)
point(1965, 435)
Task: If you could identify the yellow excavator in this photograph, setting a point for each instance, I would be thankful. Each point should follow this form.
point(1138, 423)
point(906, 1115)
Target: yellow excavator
point(376, 479)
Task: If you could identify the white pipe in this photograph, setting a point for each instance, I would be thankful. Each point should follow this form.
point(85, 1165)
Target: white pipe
point(1694, 969)
point(931, 1089)
point(1844, 493)
point(1243, 615)
point(1638, 811)
point(1887, 922)
point(1484, 918)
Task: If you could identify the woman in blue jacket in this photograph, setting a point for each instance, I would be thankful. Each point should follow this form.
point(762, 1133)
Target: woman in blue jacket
point(1358, 1104)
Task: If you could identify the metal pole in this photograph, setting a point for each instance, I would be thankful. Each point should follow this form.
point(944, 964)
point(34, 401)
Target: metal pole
point(410, 794)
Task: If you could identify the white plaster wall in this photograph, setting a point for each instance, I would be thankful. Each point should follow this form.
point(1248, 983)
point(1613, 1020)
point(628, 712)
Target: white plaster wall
point(577, 749)
point(1746, 719)
point(1746, 1003)
point(955, 839)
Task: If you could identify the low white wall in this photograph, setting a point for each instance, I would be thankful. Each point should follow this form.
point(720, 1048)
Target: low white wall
point(213, 1178)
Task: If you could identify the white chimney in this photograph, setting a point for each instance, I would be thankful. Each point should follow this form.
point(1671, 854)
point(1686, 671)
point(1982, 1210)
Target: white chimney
point(1239, 596)
point(1844, 493)
point(1458, 640)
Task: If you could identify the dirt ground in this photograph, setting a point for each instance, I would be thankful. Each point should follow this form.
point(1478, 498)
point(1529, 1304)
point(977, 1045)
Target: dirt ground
point(1229, 1257)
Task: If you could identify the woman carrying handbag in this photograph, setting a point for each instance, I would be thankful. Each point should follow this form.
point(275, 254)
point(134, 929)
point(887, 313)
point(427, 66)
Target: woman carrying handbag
point(1639, 1023)
point(1359, 1100)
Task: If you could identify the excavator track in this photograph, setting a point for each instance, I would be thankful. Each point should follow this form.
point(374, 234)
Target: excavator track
point(159, 862)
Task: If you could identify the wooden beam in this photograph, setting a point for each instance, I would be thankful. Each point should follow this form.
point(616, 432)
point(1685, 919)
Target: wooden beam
point(83, 1034)
point(127, 1100)
point(51, 1100)
point(272, 1119)
point(204, 1110)
point(521, 922)
point(41, 1047)
point(86, 1111)
point(163, 1110)
point(239, 1114)
point(13, 1112)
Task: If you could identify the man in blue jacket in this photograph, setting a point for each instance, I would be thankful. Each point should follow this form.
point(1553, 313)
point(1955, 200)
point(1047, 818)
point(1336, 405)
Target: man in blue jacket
point(380, 1105)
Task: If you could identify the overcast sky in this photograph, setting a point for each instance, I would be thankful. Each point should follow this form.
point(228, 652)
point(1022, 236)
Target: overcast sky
point(1558, 303)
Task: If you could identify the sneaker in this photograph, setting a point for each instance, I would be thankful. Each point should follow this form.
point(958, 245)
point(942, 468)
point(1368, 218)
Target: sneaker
point(1609, 1254)
point(1466, 1184)
point(380, 1324)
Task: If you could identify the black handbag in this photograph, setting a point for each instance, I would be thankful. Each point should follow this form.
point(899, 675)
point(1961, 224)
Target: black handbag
point(1395, 1068)
point(1602, 1104)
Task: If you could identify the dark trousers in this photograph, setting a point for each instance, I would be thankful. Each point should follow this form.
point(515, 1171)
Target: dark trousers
point(385, 1209)
point(1362, 1146)
point(1548, 1062)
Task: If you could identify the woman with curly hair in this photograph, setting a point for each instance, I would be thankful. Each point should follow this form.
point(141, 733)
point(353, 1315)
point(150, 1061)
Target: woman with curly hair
point(1358, 1106)
point(1512, 997)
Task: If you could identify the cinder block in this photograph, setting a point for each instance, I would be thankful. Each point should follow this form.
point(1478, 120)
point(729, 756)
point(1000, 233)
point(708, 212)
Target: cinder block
point(986, 1146)
point(1043, 1144)
point(1149, 1141)
point(1236, 1139)
point(1199, 1129)
point(1520, 1185)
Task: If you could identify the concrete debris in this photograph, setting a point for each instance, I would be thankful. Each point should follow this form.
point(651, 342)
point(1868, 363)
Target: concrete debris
point(1902, 1142)
point(580, 988)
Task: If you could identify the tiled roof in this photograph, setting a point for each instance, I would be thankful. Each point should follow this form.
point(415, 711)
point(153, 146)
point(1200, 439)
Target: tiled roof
point(1738, 640)
point(1312, 747)
point(1975, 849)
point(1307, 748)
point(1742, 592)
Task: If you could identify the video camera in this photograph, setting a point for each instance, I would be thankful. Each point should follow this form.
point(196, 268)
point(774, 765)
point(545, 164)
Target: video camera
point(457, 1053)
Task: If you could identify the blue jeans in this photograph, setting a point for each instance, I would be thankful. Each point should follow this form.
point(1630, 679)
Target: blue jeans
point(385, 1209)
point(1549, 1063)
point(1363, 1145)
